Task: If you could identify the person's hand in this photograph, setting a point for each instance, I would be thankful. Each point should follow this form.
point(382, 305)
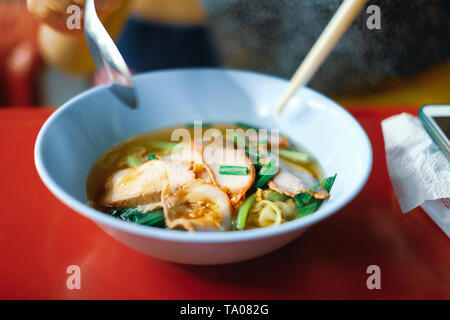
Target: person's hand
point(54, 12)
point(66, 49)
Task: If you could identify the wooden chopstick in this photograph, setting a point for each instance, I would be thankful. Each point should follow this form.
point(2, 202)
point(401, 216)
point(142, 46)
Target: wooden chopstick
point(340, 22)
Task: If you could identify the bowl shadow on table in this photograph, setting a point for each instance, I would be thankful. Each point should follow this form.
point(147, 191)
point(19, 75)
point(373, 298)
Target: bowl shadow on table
point(328, 261)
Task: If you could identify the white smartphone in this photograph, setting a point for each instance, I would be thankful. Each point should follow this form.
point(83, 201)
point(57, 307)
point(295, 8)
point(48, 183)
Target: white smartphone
point(436, 120)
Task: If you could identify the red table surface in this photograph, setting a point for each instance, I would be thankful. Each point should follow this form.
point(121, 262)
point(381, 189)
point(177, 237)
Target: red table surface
point(40, 237)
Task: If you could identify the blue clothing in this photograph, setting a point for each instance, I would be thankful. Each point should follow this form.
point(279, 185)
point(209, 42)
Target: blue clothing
point(147, 45)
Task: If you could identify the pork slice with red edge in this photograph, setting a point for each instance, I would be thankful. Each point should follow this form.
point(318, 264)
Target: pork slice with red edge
point(216, 155)
point(142, 186)
point(293, 179)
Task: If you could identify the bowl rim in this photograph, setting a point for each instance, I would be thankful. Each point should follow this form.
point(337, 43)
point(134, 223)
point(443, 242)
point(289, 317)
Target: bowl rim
point(195, 237)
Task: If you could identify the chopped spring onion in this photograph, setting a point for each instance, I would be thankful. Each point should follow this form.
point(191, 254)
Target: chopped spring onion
point(203, 124)
point(241, 218)
point(233, 170)
point(133, 161)
point(246, 126)
point(294, 156)
point(307, 204)
point(267, 171)
point(241, 142)
point(275, 196)
point(152, 156)
point(253, 154)
point(154, 218)
point(168, 146)
point(163, 145)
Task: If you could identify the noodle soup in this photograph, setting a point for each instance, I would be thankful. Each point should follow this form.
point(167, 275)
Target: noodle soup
point(208, 178)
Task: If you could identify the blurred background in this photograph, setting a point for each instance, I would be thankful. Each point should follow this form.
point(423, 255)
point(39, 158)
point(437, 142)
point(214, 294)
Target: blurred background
point(406, 62)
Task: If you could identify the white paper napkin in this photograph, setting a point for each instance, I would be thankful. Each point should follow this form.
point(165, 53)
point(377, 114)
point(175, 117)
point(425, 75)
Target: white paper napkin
point(419, 171)
point(439, 212)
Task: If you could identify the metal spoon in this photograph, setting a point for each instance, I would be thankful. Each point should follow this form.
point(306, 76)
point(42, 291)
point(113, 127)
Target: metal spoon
point(107, 57)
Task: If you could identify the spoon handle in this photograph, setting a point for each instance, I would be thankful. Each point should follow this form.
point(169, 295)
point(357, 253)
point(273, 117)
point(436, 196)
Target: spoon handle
point(107, 57)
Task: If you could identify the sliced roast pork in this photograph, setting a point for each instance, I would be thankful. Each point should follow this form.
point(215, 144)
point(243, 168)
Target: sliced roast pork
point(292, 179)
point(142, 186)
point(216, 155)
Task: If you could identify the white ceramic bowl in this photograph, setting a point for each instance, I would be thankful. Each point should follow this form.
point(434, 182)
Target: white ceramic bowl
point(75, 136)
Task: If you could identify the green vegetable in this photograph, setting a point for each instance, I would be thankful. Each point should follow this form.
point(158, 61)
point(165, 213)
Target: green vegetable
point(294, 156)
point(307, 204)
point(306, 210)
point(152, 156)
point(233, 170)
point(246, 126)
point(133, 161)
point(163, 145)
point(204, 125)
point(267, 171)
point(169, 146)
point(253, 154)
point(241, 218)
point(153, 219)
point(241, 142)
point(302, 198)
point(327, 183)
point(275, 196)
